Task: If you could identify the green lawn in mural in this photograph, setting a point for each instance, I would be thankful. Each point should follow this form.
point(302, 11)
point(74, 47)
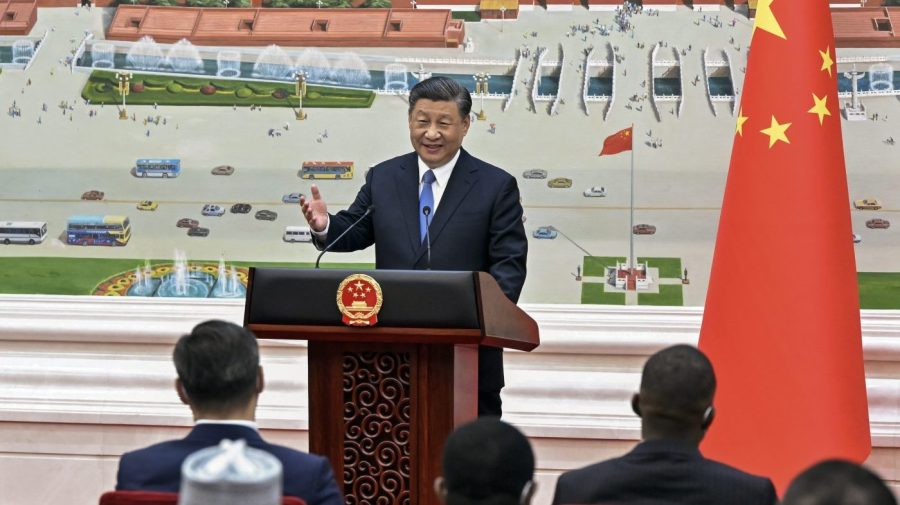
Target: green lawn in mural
point(879, 290)
point(593, 293)
point(670, 295)
point(79, 276)
point(147, 89)
point(668, 267)
point(595, 266)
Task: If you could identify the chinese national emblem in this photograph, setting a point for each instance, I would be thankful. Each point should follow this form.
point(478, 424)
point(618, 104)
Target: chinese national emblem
point(359, 299)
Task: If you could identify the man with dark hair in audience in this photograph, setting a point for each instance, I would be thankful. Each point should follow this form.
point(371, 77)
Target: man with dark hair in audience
point(675, 404)
point(220, 379)
point(486, 462)
point(838, 482)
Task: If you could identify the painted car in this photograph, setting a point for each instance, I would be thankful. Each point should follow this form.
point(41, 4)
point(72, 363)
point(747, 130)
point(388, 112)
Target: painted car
point(856, 238)
point(560, 182)
point(198, 231)
point(292, 198)
point(266, 215)
point(147, 205)
point(212, 209)
point(546, 232)
point(92, 195)
point(241, 208)
point(223, 170)
point(594, 191)
point(867, 204)
point(535, 173)
point(187, 222)
point(643, 229)
point(878, 223)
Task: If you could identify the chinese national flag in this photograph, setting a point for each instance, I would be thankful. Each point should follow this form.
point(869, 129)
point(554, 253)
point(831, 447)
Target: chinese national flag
point(781, 322)
point(617, 142)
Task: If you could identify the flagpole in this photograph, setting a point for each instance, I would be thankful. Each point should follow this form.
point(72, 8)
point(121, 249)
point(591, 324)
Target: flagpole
point(631, 217)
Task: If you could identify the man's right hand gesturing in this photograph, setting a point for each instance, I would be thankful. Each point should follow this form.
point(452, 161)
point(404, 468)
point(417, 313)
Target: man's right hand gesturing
point(315, 210)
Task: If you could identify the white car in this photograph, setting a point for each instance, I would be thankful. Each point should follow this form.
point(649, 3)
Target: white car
point(595, 191)
point(212, 209)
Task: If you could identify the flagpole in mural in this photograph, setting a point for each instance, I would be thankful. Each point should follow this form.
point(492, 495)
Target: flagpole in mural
point(781, 321)
point(615, 144)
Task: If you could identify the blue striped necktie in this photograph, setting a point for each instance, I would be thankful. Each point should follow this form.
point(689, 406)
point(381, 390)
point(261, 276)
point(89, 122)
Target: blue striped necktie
point(426, 199)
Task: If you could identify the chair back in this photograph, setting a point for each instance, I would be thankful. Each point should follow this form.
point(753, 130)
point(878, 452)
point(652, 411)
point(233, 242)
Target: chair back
point(158, 498)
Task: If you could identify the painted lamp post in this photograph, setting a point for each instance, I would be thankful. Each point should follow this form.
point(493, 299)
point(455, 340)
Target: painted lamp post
point(300, 91)
point(124, 79)
point(481, 87)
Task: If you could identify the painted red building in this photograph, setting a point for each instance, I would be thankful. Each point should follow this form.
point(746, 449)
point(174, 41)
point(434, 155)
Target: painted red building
point(867, 27)
point(289, 27)
point(17, 17)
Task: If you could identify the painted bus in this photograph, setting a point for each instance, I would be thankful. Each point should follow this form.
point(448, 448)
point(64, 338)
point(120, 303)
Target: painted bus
point(23, 232)
point(157, 168)
point(98, 230)
point(326, 170)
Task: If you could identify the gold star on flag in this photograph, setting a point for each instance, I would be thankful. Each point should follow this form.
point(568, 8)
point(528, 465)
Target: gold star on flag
point(776, 132)
point(740, 122)
point(765, 19)
point(820, 108)
point(827, 62)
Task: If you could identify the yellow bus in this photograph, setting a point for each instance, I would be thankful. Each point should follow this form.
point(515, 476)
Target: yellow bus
point(326, 170)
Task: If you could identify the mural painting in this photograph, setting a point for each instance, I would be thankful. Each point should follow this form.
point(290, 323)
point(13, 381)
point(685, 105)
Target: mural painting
point(161, 150)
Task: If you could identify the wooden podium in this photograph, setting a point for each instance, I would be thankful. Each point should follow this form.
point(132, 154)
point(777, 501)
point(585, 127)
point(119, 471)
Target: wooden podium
point(383, 399)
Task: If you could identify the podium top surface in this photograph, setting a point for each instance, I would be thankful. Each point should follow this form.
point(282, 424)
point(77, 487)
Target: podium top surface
point(467, 305)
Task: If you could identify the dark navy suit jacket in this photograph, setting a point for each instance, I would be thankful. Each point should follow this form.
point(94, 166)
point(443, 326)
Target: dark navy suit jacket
point(662, 473)
point(477, 226)
point(158, 467)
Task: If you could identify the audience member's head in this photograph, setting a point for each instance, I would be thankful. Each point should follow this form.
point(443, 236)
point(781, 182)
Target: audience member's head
point(676, 395)
point(838, 482)
point(486, 462)
point(218, 371)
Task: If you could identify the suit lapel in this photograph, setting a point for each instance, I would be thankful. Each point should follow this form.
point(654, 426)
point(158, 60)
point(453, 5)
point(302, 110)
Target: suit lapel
point(407, 185)
point(461, 181)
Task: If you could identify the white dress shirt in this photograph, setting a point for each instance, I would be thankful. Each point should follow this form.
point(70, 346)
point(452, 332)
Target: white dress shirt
point(237, 422)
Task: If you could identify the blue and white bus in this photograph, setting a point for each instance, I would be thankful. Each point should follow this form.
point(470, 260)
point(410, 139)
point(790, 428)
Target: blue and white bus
point(157, 168)
point(23, 232)
point(98, 230)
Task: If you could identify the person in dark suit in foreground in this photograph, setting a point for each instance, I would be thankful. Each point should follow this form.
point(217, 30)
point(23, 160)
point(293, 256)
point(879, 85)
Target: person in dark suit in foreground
point(220, 379)
point(838, 482)
point(486, 462)
point(470, 209)
point(675, 404)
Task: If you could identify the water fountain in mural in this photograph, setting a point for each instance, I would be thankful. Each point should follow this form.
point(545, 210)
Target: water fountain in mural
point(228, 64)
point(314, 64)
point(145, 55)
point(881, 77)
point(144, 283)
point(350, 70)
point(183, 282)
point(183, 57)
point(273, 63)
point(227, 283)
point(22, 51)
point(102, 55)
point(395, 78)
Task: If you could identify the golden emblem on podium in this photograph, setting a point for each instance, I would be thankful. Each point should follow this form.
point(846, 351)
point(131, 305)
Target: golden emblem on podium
point(359, 299)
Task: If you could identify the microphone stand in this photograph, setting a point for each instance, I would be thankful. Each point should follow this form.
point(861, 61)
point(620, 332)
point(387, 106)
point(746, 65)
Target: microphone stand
point(339, 237)
point(427, 211)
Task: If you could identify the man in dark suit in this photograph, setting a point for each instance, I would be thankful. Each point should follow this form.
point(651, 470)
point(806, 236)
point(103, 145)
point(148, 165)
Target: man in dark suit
point(220, 379)
point(666, 468)
point(470, 209)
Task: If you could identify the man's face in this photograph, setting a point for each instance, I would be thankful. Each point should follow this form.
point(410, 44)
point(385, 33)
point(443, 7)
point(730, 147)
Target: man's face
point(436, 131)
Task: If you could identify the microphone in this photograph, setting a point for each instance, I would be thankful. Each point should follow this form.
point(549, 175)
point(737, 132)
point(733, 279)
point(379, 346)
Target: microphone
point(328, 247)
point(427, 211)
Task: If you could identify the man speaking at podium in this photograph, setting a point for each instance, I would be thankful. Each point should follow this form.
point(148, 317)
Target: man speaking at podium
point(437, 208)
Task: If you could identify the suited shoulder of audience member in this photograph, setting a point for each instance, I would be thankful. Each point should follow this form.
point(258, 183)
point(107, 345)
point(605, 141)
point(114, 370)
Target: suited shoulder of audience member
point(219, 375)
point(486, 462)
point(675, 401)
point(439, 110)
point(838, 482)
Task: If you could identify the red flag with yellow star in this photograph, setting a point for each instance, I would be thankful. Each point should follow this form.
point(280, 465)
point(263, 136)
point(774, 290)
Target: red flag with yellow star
point(781, 322)
point(617, 142)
